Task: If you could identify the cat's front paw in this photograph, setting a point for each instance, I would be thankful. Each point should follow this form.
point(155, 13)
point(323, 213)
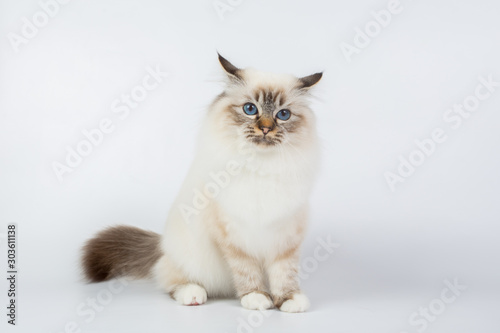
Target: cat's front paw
point(298, 303)
point(257, 301)
point(190, 294)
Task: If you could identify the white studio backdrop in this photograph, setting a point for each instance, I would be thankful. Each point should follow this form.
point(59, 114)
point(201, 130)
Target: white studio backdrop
point(407, 201)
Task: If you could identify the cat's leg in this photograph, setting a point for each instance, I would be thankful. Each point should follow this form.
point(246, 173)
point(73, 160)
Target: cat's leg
point(284, 283)
point(173, 281)
point(248, 278)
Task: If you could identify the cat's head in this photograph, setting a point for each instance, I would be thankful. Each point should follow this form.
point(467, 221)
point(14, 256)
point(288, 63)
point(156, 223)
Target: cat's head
point(263, 109)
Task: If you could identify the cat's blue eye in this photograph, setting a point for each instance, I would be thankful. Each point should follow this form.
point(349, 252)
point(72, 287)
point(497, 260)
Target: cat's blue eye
point(284, 114)
point(250, 109)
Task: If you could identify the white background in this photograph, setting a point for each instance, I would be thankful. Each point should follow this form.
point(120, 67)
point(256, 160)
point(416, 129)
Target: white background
point(396, 248)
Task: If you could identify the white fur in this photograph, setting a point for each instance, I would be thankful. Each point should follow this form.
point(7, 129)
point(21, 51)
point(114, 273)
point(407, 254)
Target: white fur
point(190, 294)
point(299, 303)
point(259, 206)
point(256, 301)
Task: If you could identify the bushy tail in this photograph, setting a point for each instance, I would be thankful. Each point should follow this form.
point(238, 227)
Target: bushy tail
point(120, 251)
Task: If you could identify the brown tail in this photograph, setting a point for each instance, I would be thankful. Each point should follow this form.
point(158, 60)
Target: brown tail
point(119, 251)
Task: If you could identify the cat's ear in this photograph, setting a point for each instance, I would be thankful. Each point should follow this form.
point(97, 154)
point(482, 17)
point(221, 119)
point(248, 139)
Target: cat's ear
point(231, 70)
point(307, 82)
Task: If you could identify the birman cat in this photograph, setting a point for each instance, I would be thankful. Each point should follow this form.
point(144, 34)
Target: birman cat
point(236, 226)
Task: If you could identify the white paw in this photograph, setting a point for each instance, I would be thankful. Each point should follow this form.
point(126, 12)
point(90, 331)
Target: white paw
point(190, 294)
point(298, 303)
point(256, 301)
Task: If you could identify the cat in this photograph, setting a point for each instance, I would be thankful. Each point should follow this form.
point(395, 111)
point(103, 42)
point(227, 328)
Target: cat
point(236, 226)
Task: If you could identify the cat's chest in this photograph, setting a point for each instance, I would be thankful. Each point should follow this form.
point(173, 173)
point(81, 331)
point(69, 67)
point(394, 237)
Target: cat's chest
point(254, 197)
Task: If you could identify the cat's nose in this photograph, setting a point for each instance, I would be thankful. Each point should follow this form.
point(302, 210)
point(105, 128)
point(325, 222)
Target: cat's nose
point(265, 124)
point(265, 130)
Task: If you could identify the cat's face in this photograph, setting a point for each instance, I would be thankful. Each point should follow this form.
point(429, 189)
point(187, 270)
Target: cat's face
point(265, 110)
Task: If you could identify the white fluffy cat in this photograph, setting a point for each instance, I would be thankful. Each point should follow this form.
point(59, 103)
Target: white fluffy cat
point(236, 226)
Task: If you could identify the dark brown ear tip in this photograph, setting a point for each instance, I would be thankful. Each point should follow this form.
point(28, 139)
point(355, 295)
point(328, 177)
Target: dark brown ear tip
point(310, 80)
point(317, 76)
point(229, 67)
point(221, 58)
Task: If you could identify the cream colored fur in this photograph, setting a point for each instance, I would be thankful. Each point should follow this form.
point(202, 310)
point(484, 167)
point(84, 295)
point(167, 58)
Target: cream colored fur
point(245, 239)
